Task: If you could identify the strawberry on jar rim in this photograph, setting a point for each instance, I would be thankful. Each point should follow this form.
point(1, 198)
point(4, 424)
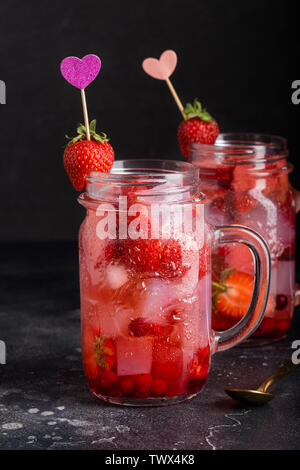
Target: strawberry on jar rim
point(81, 156)
point(198, 127)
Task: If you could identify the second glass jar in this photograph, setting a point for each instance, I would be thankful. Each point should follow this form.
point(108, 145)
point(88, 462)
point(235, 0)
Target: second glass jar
point(245, 178)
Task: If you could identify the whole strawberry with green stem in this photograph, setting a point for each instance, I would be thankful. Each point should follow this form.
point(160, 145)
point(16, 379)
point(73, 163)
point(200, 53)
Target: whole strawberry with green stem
point(199, 126)
point(81, 156)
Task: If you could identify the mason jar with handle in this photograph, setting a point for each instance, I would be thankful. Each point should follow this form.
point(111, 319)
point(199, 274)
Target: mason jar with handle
point(145, 283)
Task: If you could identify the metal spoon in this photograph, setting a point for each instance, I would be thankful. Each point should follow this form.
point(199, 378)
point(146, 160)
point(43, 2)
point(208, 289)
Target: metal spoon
point(259, 396)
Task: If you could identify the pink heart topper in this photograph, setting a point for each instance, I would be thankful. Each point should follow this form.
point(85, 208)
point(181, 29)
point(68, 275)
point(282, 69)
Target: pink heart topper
point(80, 72)
point(161, 68)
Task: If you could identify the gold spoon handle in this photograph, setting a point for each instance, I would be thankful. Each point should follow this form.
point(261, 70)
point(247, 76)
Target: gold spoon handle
point(280, 373)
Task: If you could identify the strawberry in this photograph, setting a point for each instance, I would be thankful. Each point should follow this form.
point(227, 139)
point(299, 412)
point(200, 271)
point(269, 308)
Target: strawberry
point(105, 353)
point(171, 261)
point(244, 202)
point(127, 385)
point(141, 255)
point(109, 379)
point(159, 387)
point(143, 383)
point(233, 294)
point(139, 327)
point(200, 364)
point(82, 156)
point(152, 256)
point(198, 127)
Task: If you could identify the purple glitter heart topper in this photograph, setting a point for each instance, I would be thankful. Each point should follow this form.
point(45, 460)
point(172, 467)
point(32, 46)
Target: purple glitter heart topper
point(80, 72)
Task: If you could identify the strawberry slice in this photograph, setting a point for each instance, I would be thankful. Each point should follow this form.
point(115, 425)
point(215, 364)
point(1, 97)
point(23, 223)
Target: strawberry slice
point(232, 296)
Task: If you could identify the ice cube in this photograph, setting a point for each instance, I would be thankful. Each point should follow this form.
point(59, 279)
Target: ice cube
point(272, 223)
point(113, 319)
point(134, 355)
point(217, 216)
point(283, 278)
point(158, 296)
point(116, 275)
point(239, 257)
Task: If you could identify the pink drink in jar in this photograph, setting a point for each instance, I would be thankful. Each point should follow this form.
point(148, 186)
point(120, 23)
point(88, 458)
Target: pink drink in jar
point(245, 179)
point(145, 282)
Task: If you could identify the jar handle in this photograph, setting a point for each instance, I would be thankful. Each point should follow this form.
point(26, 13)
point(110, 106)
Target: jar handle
point(261, 286)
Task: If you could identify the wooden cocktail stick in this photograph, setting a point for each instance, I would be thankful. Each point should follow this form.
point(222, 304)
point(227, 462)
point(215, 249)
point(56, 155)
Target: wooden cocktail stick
point(162, 69)
point(176, 98)
point(85, 115)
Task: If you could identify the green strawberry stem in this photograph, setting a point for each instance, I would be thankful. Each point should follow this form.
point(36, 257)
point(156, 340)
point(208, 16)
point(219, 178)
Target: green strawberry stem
point(196, 110)
point(218, 286)
point(82, 133)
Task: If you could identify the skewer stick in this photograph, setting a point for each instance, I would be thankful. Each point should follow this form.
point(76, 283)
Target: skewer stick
point(176, 98)
point(85, 114)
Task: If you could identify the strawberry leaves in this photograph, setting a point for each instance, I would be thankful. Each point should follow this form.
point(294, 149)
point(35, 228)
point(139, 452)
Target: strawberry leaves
point(104, 351)
point(81, 131)
point(196, 110)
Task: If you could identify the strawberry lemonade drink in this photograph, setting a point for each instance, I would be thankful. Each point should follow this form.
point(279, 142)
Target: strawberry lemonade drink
point(145, 281)
point(245, 179)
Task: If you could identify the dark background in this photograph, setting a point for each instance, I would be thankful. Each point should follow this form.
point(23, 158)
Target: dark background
point(239, 58)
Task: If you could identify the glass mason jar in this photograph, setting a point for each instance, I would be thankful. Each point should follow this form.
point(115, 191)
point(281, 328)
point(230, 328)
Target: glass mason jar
point(246, 181)
point(145, 283)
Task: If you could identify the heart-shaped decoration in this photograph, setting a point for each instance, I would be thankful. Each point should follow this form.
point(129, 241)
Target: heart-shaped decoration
point(80, 72)
point(161, 68)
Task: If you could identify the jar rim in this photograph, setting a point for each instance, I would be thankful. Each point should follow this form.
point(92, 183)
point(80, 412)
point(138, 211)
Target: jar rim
point(151, 177)
point(138, 169)
point(242, 148)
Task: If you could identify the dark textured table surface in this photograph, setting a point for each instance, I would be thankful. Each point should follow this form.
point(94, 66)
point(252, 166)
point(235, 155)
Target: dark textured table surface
point(44, 399)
